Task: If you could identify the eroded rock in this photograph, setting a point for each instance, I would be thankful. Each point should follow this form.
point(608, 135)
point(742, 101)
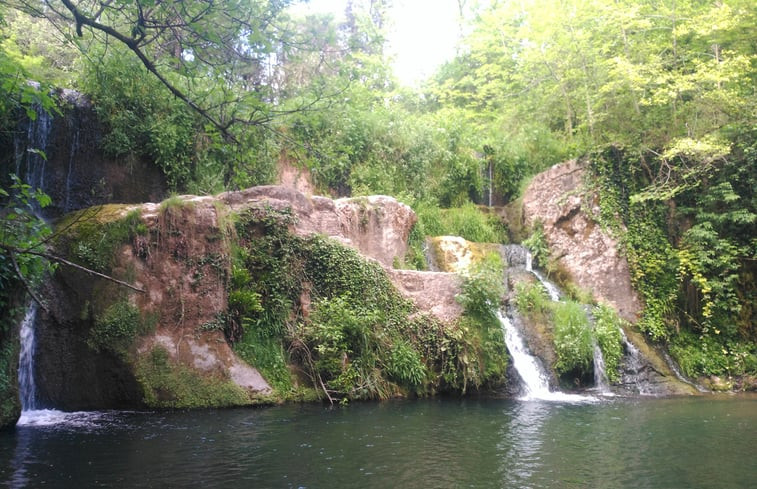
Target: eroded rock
point(182, 263)
point(580, 246)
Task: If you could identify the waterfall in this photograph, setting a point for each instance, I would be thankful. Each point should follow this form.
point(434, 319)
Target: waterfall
point(601, 383)
point(430, 256)
point(71, 159)
point(31, 412)
point(552, 291)
point(491, 183)
point(633, 372)
point(677, 372)
point(27, 390)
point(534, 377)
point(33, 150)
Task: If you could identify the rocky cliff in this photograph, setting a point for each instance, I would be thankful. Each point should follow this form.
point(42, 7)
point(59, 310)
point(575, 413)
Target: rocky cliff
point(179, 255)
point(62, 156)
point(577, 243)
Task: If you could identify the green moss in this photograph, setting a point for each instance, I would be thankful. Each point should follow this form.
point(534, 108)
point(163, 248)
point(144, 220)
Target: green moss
point(92, 236)
point(169, 385)
point(117, 327)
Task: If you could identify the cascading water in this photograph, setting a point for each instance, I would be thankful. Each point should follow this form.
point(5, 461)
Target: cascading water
point(677, 372)
point(31, 412)
point(71, 160)
point(535, 379)
point(27, 389)
point(518, 255)
point(552, 291)
point(491, 183)
point(601, 382)
point(31, 153)
point(428, 253)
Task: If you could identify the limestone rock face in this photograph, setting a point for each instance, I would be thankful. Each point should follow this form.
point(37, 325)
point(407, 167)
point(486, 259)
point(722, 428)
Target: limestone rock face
point(377, 226)
point(182, 265)
point(590, 255)
point(432, 292)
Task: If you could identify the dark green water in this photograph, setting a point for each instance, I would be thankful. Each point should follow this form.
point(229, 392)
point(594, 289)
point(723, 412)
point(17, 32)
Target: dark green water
point(650, 443)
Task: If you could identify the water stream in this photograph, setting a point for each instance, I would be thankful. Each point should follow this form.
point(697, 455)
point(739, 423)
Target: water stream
point(31, 153)
point(552, 291)
point(32, 413)
point(535, 379)
point(27, 389)
point(601, 382)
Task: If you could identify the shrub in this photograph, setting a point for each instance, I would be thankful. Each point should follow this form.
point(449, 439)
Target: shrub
point(573, 338)
point(537, 245)
point(531, 298)
point(607, 333)
point(483, 289)
point(116, 328)
point(468, 222)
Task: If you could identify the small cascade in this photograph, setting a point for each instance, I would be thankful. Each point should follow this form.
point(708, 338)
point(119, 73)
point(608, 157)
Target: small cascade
point(428, 253)
point(491, 183)
point(535, 379)
point(601, 382)
point(633, 372)
point(31, 153)
point(27, 389)
point(677, 372)
point(31, 412)
point(69, 174)
point(552, 291)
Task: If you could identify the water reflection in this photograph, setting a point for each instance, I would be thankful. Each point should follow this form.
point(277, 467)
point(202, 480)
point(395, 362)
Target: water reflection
point(521, 443)
point(434, 443)
point(22, 458)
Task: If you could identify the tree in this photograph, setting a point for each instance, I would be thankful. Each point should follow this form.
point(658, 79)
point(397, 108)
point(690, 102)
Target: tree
point(214, 56)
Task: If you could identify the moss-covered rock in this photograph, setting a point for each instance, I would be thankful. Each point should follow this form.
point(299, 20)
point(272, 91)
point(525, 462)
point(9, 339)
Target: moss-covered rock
point(10, 405)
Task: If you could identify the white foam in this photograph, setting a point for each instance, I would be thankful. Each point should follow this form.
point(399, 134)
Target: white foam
point(52, 417)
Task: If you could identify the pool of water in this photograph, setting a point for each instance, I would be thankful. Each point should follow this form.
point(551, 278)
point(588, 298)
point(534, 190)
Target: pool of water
point(649, 443)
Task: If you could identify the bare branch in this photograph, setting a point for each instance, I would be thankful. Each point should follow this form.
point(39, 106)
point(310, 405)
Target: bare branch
point(13, 251)
point(26, 283)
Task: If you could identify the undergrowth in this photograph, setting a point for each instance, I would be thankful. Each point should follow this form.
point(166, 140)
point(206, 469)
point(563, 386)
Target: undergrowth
point(167, 384)
point(319, 305)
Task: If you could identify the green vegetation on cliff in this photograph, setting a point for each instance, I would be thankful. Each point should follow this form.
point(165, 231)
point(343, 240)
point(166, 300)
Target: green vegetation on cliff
point(319, 305)
point(574, 328)
point(658, 96)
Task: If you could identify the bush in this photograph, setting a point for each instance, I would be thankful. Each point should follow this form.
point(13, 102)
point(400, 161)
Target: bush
point(704, 355)
point(483, 289)
point(607, 333)
point(116, 328)
point(531, 298)
point(573, 338)
point(537, 245)
point(468, 222)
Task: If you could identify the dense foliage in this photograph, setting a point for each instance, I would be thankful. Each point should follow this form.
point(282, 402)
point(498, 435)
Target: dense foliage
point(574, 328)
point(658, 96)
point(353, 335)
